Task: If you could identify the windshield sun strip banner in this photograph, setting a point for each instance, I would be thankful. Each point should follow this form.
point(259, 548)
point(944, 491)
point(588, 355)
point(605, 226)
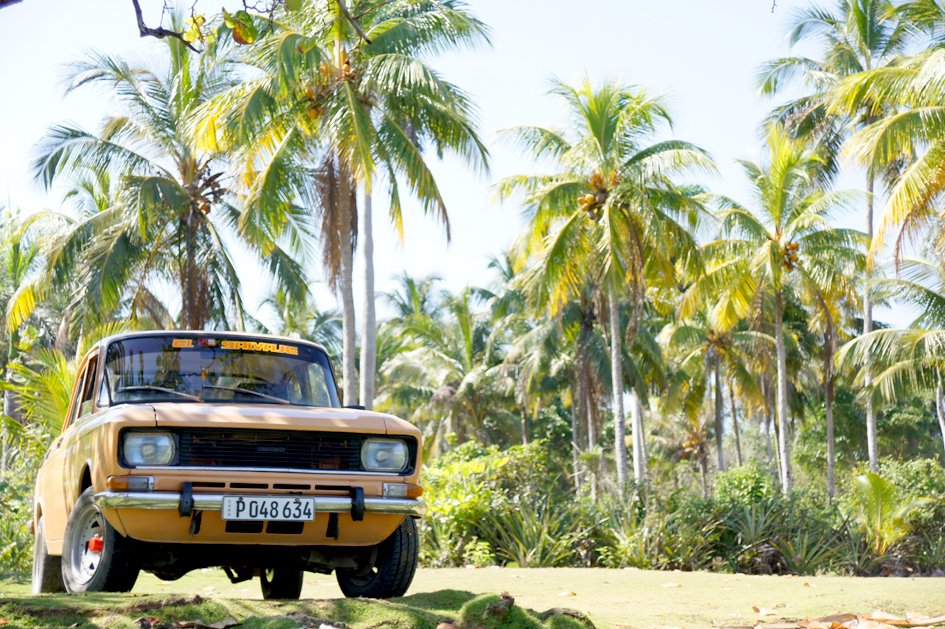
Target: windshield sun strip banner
point(232, 344)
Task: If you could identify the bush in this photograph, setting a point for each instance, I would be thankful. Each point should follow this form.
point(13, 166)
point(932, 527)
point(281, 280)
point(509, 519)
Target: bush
point(16, 507)
point(744, 486)
point(467, 486)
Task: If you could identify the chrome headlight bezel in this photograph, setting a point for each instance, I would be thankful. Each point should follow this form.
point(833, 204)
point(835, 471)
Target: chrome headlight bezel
point(396, 450)
point(163, 450)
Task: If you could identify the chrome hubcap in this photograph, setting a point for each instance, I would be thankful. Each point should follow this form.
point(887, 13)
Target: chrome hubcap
point(85, 561)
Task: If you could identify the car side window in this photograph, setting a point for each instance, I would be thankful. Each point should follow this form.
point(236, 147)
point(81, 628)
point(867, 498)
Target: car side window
point(87, 393)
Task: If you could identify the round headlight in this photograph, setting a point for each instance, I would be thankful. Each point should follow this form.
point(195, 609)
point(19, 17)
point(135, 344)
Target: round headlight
point(384, 455)
point(149, 448)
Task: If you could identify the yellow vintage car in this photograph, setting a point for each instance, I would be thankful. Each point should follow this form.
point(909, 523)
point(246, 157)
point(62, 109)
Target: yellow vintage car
point(184, 450)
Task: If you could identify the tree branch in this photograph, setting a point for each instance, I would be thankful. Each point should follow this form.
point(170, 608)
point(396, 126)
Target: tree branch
point(357, 27)
point(147, 31)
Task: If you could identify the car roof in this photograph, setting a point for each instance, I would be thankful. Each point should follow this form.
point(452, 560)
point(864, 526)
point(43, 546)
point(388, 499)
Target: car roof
point(197, 333)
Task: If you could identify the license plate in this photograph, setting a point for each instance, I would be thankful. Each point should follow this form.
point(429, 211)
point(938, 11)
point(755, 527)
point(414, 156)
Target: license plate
point(269, 508)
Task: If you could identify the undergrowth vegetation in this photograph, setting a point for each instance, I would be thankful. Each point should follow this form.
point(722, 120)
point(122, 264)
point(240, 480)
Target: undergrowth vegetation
point(494, 507)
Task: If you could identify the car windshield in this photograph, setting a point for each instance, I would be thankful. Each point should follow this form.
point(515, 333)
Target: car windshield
point(216, 369)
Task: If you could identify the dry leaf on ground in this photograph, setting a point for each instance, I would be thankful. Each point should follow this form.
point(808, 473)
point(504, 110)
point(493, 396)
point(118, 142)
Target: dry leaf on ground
point(763, 611)
point(672, 585)
point(567, 594)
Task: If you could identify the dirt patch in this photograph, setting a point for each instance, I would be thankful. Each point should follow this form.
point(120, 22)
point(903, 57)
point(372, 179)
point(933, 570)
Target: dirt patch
point(171, 601)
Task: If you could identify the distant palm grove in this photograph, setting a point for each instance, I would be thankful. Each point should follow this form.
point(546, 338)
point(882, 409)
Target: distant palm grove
point(658, 376)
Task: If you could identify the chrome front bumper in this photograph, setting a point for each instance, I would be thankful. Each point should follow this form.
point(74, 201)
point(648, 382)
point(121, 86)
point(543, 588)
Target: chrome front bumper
point(214, 502)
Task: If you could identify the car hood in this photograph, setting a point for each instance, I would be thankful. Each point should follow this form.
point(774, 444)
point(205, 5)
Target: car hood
point(269, 417)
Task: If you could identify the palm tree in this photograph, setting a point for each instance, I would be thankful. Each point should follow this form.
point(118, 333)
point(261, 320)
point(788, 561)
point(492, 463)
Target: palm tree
point(456, 366)
point(857, 37)
point(368, 105)
point(18, 256)
point(607, 218)
point(170, 218)
point(786, 240)
point(704, 351)
point(413, 297)
point(906, 360)
point(305, 320)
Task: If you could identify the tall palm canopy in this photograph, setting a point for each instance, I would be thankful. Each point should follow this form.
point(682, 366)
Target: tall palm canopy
point(856, 37)
point(169, 221)
point(910, 142)
point(784, 243)
point(321, 98)
point(608, 217)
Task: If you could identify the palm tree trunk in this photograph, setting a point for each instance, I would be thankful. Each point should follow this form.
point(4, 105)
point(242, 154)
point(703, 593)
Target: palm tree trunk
point(575, 436)
point(11, 406)
point(636, 420)
point(782, 409)
point(738, 441)
point(703, 474)
point(188, 289)
point(524, 425)
point(589, 419)
point(828, 402)
point(718, 411)
point(348, 368)
point(616, 368)
point(871, 442)
point(940, 409)
point(766, 409)
point(368, 320)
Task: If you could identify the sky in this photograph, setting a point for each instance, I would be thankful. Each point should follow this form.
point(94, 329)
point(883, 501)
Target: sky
point(701, 56)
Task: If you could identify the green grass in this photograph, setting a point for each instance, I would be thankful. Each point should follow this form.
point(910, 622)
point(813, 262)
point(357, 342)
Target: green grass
point(610, 598)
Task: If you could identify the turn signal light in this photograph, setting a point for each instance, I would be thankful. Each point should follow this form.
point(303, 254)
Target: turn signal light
point(130, 483)
point(402, 490)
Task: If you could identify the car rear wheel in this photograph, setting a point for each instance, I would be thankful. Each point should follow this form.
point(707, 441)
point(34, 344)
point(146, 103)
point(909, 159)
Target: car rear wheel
point(95, 558)
point(281, 582)
point(394, 567)
point(47, 569)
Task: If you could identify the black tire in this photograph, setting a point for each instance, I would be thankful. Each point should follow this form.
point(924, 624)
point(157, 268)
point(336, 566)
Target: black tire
point(394, 567)
point(111, 570)
point(47, 569)
point(281, 582)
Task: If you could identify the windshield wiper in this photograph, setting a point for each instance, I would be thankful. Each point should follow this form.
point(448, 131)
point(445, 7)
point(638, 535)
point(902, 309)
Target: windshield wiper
point(148, 387)
point(249, 391)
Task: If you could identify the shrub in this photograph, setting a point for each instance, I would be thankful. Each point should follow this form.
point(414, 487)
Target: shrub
point(744, 486)
point(16, 508)
point(467, 486)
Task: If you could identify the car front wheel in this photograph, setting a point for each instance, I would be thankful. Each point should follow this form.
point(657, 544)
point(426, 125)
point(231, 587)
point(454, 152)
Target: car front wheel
point(394, 567)
point(95, 558)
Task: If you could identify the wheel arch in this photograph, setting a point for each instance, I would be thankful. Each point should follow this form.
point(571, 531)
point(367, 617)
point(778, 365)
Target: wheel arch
point(85, 478)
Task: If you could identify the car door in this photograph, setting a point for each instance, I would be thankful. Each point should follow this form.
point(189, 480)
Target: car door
point(60, 481)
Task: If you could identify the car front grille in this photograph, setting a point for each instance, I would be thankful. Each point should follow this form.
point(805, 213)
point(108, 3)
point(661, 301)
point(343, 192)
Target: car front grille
point(300, 450)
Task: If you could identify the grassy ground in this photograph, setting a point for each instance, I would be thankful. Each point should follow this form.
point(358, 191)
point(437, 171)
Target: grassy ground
point(610, 598)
